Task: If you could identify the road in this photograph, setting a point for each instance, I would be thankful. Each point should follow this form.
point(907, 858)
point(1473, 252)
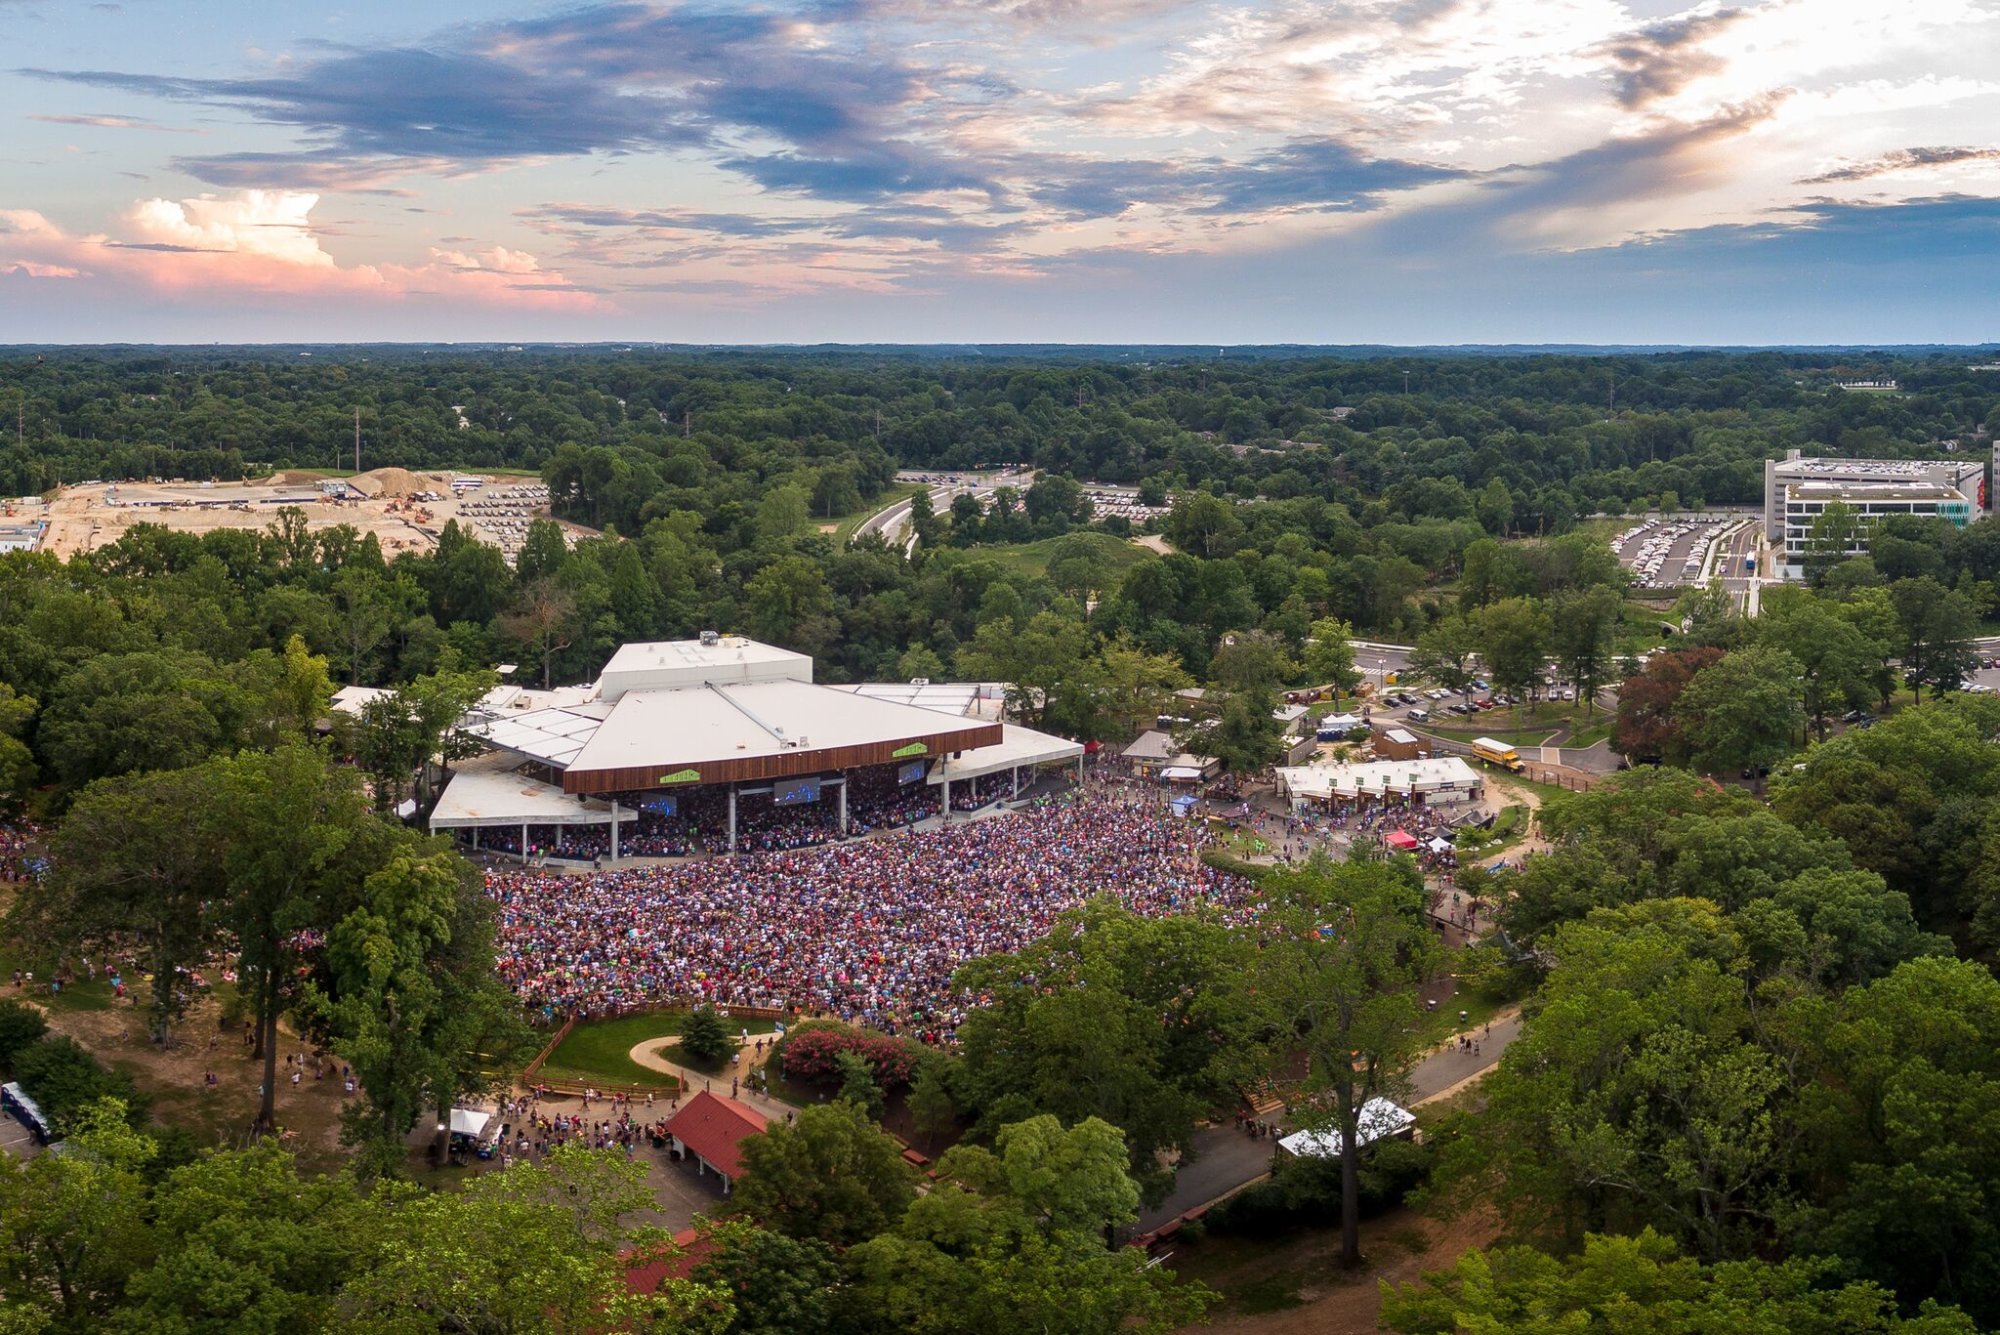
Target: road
point(1729, 563)
point(1226, 1158)
point(893, 522)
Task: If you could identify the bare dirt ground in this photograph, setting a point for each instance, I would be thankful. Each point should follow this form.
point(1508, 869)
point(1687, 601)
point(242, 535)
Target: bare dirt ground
point(84, 518)
point(1302, 1276)
point(218, 1114)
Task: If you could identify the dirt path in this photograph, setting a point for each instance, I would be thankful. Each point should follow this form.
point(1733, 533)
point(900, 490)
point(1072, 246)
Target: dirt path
point(1399, 1247)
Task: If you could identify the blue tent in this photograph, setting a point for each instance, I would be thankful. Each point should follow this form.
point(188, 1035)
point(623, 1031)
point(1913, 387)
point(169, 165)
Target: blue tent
point(1184, 805)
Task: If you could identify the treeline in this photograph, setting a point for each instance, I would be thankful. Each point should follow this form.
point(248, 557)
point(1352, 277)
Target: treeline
point(1422, 436)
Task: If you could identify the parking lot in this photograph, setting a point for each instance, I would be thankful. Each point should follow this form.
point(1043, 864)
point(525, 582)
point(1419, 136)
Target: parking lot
point(15, 1140)
point(1668, 555)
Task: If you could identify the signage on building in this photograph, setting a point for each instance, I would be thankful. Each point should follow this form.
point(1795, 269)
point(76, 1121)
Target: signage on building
point(913, 749)
point(681, 776)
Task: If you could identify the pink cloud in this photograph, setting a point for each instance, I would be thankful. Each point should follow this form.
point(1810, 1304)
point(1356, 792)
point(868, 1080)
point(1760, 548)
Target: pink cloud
point(262, 242)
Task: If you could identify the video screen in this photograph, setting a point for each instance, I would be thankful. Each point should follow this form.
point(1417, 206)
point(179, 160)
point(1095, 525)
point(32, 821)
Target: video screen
point(661, 806)
point(793, 791)
point(910, 773)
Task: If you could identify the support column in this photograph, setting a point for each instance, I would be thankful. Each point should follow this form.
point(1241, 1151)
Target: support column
point(614, 832)
point(732, 818)
point(475, 838)
point(1017, 783)
point(524, 843)
point(843, 806)
point(946, 814)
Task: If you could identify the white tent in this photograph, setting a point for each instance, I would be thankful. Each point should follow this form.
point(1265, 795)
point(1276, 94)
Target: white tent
point(1180, 774)
point(1440, 844)
point(1379, 1120)
point(469, 1122)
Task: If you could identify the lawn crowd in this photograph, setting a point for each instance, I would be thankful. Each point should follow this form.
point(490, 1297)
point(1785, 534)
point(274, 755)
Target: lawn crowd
point(869, 930)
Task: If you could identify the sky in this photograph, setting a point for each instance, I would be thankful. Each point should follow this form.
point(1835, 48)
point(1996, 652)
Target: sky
point(1073, 171)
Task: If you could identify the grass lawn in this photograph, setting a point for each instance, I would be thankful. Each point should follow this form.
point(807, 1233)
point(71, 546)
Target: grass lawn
point(1112, 555)
point(1514, 785)
point(844, 525)
point(599, 1050)
point(1592, 735)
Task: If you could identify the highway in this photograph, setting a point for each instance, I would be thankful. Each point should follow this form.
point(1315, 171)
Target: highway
point(893, 522)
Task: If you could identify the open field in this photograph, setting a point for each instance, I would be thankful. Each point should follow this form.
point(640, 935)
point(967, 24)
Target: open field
point(87, 517)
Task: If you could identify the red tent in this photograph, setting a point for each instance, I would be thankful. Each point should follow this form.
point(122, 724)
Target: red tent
point(1401, 840)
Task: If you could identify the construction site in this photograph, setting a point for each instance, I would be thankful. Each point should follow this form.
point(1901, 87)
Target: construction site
point(405, 510)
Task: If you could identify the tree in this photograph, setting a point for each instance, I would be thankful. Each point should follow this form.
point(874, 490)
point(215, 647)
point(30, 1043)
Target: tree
point(1938, 626)
point(289, 820)
point(544, 552)
point(542, 617)
point(1901, 1139)
point(1744, 710)
point(1144, 1023)
point(858, 1085)
point(1634, 1095)
point(1444, 653)
point(784, 511)
point(1640, 1285)
point(73, 1226)
point(1245, 739)
point(1838, 663)
point(117, 713)
point(1347, 950)
point(931, 1105)
point(1514, 640)
point(777, 1285)
point(1137, 685)
point(704, 1037)
point(1016, 1240)
point(402, 967)
point(541, 1247)
point(1834, 536)
point(833, 1175)
point(21, 1025)
point(1203, 524)
point(242, 1242)
point(135, 862)
point(18, 771)
point(1329, 656)
point(1650, 725)
point(1581, 624)
point(835, 493)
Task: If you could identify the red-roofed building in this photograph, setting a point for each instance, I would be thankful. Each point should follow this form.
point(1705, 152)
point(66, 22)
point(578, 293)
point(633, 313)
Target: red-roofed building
point(712, 1129)
point(646, 1271)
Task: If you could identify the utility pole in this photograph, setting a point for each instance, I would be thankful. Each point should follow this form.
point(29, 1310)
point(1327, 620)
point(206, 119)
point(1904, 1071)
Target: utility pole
point(1612, 378)
point(1406, 384)
point(357, 441)
point(687, 422)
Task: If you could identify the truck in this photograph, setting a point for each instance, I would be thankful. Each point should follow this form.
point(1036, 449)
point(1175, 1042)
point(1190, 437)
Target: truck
point(1497, 753)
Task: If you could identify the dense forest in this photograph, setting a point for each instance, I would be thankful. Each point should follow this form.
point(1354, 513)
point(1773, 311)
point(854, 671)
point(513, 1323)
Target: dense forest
point(1419, 436)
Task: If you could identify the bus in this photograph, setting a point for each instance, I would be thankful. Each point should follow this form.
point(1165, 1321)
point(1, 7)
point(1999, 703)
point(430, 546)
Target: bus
point(1497, 753)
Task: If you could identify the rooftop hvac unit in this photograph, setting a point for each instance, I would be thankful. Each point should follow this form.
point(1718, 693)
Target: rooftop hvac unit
point(711, 638)
point(920, 681)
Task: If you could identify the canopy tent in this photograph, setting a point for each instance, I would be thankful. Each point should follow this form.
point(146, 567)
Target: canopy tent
point(1401, 839)
point(469, 1122)
point(1184, 805)
point(1440, 844)
point(1379, 1120)
point(1181, 774)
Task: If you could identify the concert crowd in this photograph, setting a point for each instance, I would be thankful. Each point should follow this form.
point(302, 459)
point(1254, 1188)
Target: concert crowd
point(869, 930)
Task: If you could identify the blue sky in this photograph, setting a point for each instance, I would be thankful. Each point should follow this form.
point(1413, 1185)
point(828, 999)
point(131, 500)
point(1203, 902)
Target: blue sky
point(1406, 171)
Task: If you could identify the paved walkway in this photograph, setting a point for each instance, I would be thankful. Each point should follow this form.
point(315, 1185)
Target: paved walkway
point(647, 1054)
point(1226, 1159)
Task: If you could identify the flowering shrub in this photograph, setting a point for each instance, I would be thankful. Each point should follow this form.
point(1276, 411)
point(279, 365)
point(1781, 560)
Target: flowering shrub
point(812, 1054)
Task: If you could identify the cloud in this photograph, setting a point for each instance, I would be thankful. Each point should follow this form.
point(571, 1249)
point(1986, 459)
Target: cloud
point(113, 123)
point(1660, 59)
point(264, 245)
point(1903, 159)
point(793, 104)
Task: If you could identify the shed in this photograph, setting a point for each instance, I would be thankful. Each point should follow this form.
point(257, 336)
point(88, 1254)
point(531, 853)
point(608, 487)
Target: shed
point(711, 1129)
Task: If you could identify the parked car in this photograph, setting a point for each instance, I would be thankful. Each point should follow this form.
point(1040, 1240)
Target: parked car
point(1418, 716)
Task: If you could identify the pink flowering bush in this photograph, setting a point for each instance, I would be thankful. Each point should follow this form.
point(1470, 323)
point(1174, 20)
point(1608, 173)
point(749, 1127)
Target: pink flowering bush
point(811, 1054)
